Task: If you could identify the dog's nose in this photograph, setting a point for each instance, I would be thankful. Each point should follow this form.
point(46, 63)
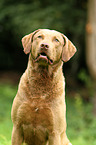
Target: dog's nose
point(44, 46)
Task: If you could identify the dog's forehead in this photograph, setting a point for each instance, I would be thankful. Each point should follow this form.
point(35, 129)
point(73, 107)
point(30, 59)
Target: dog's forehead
point(47, 32)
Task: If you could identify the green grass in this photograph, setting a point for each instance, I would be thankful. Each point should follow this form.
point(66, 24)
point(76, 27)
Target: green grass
point(7, 93)
point(81, 124)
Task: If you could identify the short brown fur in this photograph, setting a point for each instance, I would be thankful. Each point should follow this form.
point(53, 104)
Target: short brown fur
point(39, 110)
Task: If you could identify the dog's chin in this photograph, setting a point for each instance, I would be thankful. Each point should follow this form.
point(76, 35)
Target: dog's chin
point(43, 59)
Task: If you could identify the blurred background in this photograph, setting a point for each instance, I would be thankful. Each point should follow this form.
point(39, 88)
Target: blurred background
point(75, 19)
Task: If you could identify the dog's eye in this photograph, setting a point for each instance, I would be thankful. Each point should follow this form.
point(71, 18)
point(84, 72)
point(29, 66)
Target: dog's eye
point(56, 40)
point(40, 36)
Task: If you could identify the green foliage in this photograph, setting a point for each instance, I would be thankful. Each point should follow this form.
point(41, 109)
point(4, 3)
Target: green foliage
point(87, 80)
point(80, 121)
point(26, 17)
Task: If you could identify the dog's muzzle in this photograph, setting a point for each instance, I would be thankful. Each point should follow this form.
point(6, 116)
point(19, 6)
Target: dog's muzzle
point(43, 57)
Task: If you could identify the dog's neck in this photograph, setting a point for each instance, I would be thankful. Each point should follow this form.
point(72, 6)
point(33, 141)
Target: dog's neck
point(45, 79)
point(47, 71)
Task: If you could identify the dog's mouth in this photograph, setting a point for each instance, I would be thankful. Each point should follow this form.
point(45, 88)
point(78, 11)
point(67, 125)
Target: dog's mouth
point(43, 57)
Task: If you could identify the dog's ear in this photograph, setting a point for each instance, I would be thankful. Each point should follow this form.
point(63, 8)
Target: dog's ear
point(68, 49)
point(27, 42)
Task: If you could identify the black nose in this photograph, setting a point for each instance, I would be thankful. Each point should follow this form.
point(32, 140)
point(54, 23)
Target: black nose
point(44, 46)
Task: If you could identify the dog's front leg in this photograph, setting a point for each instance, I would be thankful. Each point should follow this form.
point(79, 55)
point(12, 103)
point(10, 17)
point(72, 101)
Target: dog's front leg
point(17, 137)
point(54, 139)
point(64, 139)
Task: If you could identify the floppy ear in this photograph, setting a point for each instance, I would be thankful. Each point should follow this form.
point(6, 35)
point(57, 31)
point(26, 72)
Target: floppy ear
point(68, 49)
point(27, 42)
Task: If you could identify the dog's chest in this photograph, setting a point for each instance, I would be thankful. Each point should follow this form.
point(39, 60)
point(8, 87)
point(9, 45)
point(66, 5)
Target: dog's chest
point(36, 119)
point(35, 112)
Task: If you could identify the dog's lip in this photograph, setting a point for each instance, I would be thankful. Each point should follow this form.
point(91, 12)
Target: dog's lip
point(44, 56)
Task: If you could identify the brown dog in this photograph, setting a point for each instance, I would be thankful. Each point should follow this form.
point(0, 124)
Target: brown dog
point(39, 110)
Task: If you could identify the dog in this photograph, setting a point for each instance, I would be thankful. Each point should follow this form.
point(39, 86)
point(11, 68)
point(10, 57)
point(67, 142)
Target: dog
point(39, 108)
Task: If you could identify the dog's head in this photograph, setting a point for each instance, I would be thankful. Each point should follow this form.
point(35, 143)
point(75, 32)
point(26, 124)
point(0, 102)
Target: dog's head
point(48, 47)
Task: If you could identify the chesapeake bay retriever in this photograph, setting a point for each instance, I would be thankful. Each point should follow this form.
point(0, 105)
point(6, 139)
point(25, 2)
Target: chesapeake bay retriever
point(39, 109)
